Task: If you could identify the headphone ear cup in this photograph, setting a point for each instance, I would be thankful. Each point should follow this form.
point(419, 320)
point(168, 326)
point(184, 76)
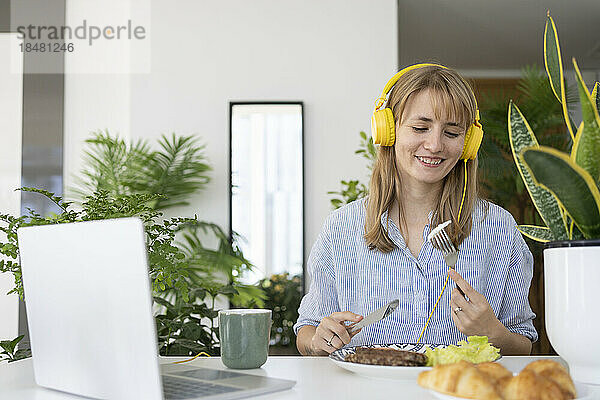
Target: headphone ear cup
point(473, 139)
point(383, 127)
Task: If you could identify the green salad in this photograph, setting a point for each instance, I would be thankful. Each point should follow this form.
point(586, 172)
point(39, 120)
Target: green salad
point(476, 349)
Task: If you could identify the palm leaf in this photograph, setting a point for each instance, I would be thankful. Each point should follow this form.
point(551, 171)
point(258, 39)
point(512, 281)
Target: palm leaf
point(573, 186)
point(249, 295)
point(177, 170)
point(521, 137)
point(226, 259)
point(110, 164)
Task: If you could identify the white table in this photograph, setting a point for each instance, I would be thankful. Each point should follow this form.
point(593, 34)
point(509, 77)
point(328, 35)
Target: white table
point(316, 378)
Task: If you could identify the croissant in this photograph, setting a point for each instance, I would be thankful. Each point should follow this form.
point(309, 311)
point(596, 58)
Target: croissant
point(557, 373)
point(529, 386)
point(460, 379)
point(539, 380)
point(493, 370)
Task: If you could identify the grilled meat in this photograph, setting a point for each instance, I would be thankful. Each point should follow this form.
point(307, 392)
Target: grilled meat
point(387, 356)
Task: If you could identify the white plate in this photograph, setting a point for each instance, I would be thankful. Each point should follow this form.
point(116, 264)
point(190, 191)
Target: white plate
point(583, 393)
point(382, 371)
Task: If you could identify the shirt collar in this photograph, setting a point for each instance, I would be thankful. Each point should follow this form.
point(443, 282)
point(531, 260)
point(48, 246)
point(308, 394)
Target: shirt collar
point(384, 218)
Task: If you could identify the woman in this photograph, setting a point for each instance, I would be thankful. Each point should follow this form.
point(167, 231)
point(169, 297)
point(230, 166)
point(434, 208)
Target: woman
point(375, 250)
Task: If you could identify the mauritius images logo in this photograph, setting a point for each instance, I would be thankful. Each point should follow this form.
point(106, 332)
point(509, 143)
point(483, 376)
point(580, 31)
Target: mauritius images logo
point(84, 31)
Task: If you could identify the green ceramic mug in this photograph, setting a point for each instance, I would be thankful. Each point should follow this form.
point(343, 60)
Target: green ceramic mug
point(244, 335)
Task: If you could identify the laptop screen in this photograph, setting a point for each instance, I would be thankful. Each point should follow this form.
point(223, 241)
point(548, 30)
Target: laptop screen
point(89, 308)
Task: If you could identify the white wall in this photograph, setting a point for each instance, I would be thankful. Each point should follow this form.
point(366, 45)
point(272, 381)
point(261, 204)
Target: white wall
point(334, 55)
point(93, 101)
point(11, 126)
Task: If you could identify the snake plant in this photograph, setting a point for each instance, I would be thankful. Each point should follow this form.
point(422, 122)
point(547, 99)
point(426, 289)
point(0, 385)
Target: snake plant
point(562, 186)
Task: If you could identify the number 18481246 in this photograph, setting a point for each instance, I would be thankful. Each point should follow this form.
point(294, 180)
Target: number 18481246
point(49, 47)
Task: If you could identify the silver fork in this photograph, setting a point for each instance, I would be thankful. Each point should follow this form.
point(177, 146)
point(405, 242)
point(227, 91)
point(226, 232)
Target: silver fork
point(441, 241)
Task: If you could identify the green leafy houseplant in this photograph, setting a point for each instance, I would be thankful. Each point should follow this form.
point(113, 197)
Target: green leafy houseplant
point(187, 325)
point(562, 186)
point(167, 262)
point(353, 189)
point(283, 296)
point(10, 353)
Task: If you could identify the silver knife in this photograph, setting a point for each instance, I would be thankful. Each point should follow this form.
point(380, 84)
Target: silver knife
point(376, 315)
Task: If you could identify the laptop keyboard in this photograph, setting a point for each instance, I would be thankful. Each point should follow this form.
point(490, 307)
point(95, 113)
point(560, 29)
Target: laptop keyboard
point(178, 388)
point(207, 374)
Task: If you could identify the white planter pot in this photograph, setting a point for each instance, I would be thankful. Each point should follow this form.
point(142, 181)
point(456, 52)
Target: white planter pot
point(572, 294)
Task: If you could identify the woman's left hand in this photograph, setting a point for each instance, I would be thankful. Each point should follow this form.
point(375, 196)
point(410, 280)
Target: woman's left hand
point(474, 316)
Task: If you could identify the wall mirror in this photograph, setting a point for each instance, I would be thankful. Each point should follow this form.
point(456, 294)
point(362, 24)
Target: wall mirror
point(267, 186)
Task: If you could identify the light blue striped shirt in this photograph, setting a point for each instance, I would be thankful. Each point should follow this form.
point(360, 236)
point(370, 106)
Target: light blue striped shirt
point(347, 276)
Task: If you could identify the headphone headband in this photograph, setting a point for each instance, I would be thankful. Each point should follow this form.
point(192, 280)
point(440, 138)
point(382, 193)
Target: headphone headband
point(390, 84)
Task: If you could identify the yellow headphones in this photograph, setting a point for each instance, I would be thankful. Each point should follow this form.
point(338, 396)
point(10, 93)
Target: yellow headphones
point(383, 126)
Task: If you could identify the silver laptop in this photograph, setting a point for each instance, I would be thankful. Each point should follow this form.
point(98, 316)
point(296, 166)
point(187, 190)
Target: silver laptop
point(89, 310)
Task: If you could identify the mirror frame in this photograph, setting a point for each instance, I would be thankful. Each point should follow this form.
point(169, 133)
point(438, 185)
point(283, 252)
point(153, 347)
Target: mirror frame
point(230, 184)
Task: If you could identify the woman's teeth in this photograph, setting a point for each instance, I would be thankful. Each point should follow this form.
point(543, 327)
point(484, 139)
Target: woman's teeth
point(430, 161)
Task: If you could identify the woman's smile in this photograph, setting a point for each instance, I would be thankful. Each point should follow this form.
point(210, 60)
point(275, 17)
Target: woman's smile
point(430, 162)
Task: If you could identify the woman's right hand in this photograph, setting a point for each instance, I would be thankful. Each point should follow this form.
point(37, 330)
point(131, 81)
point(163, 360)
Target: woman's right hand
point(332, 333)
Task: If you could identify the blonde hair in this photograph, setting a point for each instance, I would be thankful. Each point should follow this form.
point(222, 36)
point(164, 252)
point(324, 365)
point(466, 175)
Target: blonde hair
point(451, 95)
